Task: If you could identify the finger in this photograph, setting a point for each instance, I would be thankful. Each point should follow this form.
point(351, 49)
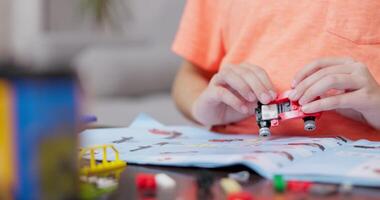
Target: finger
point(251, 107)
point(232, 80)
point(329, 103)
point(238, 84)
point(257, 87)
point(226, 96)
point(335, 81)
point(263, 76)
point(316, 65)
point(234, 92)
point(300, 89)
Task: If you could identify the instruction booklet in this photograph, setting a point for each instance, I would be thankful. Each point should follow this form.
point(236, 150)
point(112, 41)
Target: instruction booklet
point(330, 160)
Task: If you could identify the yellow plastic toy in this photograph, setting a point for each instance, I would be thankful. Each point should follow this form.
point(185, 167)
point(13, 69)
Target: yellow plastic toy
point(105, 165)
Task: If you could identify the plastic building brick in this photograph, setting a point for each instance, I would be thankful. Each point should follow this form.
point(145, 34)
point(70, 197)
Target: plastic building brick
point(279, 183)
point(240, 196)
point(230, 186)
point(145, 181)
point(298, 186)
point(105, 165)
point(282, 109)
point(164, 181)
point(233, 190)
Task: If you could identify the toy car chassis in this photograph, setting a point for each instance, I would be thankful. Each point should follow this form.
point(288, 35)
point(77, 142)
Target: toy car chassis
point(282, 109)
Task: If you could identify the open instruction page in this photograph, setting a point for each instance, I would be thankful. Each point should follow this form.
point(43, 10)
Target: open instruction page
point(333, 159)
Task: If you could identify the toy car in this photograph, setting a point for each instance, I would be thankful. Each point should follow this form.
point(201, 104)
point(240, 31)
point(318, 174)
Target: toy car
point(282, 109)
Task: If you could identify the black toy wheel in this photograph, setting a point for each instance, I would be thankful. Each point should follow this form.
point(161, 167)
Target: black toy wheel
point(264, 130)
point(309, 123)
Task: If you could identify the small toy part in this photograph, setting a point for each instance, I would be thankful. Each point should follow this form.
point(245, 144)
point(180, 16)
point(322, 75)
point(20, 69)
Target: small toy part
point(91, 191)
point(279, 183)
point(309, 124)
point(233, 190)
point(323, 189)
point(146, 182)
point(240, 196)
point(165, 182)
point(282, 109)
point(105, 165)
point(264, 132)
point(346, 188)
point(230, 186)
point(242, 176)
point(100, 182)
point(298, 186)
point(106, 183)
point(151, 185)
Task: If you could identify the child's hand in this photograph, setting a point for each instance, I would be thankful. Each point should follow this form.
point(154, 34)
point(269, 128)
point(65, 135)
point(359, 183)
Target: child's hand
point(358, 90)
point(232, 95)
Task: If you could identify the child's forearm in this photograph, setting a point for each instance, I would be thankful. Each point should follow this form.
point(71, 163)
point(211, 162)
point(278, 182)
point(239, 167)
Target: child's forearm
point(188, 85)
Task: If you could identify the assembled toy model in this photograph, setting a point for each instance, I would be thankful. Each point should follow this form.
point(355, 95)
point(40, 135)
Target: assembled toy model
point(105, 165)
point(282, 109)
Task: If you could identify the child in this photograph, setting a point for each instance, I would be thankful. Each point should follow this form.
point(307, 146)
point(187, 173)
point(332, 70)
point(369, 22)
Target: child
point(239, 52)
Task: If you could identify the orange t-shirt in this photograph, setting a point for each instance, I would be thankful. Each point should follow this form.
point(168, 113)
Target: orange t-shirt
point(282, 36)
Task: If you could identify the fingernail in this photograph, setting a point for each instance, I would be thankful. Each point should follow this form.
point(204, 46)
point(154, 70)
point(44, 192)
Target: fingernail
point(244, 109)
point(306, 108)
point(265, 98)
point(251, 97)
point(303, 101)
point(294, 83)
point(273, 94)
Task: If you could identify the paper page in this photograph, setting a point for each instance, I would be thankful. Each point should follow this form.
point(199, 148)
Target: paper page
point(356, 163)
point(195, 147)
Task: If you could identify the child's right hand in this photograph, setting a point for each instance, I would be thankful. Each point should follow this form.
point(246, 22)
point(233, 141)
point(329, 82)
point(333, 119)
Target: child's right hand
point(232, 95)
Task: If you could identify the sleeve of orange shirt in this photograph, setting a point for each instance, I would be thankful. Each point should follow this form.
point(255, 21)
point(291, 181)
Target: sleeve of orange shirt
point(199, 37)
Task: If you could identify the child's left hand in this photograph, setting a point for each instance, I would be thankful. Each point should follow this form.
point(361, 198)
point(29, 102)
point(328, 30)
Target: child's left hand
point(359, 91)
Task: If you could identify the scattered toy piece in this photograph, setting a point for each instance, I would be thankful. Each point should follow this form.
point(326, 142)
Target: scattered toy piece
point(298, 186)
point(345, 188)
point(164, 181)
point(145, 181)
point(93, 187)
point(233, 190)
point(106, 183)
point(240, 196)
point(279, 183)
point(323, 189)
point(230, 185)
point(242, 176)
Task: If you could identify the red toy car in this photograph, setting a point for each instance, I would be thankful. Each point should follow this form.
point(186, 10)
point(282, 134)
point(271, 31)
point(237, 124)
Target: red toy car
point(280, 110)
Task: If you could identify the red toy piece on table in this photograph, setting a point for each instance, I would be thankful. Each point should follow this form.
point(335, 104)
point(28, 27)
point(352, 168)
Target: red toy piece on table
point(146, 182)
point(298, 186)
point(240, 196)
point(282, 109)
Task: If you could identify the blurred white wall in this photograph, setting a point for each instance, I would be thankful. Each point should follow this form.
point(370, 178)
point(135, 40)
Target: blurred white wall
point(65, 16)
point(4, 27)
point(26, 24)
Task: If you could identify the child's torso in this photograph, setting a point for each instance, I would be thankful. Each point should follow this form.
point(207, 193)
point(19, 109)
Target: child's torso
point(282, 36)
